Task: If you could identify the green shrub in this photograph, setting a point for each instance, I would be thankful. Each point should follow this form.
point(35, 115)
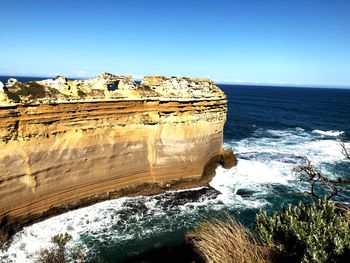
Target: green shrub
point(314, 232)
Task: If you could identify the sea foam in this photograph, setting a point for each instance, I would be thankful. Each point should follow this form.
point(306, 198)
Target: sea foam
point(328, 133)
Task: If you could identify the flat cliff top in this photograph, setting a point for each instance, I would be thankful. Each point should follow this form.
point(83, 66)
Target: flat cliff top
point(107, 87)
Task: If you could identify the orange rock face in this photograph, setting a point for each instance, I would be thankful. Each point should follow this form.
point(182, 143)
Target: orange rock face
point(63, 154)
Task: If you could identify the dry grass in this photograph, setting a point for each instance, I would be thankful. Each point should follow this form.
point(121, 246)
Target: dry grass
point(227, 241)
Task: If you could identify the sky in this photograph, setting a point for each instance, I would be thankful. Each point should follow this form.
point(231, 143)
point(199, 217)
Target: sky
point(299, 42)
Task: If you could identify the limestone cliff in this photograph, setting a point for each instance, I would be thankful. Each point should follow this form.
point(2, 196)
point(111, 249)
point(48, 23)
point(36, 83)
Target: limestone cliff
point(67, 143)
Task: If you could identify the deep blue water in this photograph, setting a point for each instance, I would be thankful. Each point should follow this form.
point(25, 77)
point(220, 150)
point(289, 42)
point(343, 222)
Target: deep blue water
point(4, 79)
point(260, 107)
point(269, 128)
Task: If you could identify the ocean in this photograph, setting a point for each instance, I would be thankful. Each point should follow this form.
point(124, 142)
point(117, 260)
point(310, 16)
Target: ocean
point(269, 128)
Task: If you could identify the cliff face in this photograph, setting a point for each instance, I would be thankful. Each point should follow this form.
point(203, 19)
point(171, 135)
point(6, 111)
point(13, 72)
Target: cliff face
point(64, 144)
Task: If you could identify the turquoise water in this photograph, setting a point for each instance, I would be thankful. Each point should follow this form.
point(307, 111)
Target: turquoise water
point(269, 128)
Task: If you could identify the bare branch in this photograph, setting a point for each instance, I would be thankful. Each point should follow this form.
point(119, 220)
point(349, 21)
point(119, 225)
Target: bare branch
point(307, 172)
point(344, 150)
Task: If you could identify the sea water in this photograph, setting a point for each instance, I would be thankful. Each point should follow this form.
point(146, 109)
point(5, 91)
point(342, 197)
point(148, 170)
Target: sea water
point(269, 128)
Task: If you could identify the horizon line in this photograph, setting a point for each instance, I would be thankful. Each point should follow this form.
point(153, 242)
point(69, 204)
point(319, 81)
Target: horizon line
point(218, 82)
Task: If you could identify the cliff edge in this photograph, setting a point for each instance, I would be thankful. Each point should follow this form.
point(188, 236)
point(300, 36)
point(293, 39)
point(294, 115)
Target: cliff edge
point(69, 143)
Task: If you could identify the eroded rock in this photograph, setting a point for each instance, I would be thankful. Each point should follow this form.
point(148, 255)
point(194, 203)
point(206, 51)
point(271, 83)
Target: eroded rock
point(182, 87)
point(3, 96)
point(11, 82)
point(228, 159)
point(70, 143)
point(110, 87)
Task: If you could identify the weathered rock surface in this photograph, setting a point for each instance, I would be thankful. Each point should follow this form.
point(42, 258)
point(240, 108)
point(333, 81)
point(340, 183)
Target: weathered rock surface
point(3, 96)
point(228, 159)
point(68, 143)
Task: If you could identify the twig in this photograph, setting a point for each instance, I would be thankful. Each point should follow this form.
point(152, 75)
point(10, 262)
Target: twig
point(309, 173)
point(344, 150)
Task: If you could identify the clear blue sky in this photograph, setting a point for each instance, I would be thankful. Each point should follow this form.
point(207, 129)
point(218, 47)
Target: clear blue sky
point(289, 41)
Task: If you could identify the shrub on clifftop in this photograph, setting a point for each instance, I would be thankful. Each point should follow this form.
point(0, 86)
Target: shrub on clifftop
point(317, 232)
point(314, 232)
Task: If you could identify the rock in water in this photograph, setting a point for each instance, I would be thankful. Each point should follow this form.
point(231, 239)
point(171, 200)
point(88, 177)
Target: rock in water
point(228, 159)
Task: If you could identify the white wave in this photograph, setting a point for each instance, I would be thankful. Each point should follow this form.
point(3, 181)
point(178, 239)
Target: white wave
point(289, 143)
point(253, 175)
point(26, 244)
point(329, 133)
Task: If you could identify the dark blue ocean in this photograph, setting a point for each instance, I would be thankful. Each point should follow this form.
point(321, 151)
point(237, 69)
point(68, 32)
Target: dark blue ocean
point(269, 128)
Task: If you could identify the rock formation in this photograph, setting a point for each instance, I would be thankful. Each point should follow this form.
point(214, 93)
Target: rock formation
point(69, 143)
point(3, 96)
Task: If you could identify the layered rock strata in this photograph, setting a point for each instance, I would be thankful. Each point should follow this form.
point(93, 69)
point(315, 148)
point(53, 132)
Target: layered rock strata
point(68, 143)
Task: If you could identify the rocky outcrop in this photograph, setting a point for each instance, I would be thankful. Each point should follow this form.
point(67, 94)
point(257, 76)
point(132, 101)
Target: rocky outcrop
point(228, 159)
point(3, 96)
point(68, 143)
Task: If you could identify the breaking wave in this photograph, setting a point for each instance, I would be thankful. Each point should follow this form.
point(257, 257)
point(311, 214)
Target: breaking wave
point(329, 133)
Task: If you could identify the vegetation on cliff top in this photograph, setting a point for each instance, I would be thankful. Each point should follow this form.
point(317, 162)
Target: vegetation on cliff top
point(315, 232)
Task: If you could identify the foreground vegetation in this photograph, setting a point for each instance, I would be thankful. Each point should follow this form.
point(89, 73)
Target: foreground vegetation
point(223, 240)
point(315, 232)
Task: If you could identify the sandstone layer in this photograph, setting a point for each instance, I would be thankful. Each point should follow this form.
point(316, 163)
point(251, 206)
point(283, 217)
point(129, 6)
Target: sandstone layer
point(68, 143)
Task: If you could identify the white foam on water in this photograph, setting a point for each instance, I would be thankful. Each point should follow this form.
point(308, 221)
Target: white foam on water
point(267, 158)
point(26, 244)
point(328, 133)
point(249, 175)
